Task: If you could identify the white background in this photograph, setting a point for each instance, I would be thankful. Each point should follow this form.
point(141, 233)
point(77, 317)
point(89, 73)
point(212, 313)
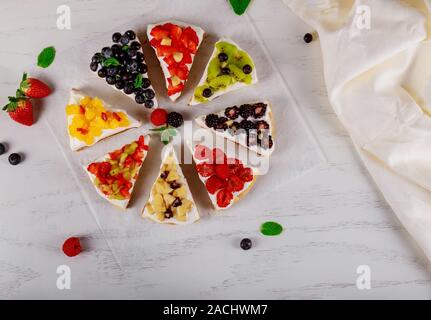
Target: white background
point(335, 218)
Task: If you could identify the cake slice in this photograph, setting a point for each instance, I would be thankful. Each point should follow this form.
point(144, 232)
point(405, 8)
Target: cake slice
point(171, 201)
point(229, 68)
point(90, 120)
point(226, 179)
point(114, 175)
point(122, 65)
point(251, 125)
point(175, 44)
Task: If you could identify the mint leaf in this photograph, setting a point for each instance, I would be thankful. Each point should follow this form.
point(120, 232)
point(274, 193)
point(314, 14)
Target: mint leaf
point(271, 228)
point(125, 48)
point(166, 137)
point(172, 132)
point(158, 129)
point(239, 6)
point(138, 81)
point(46, 57)
point(111, 62)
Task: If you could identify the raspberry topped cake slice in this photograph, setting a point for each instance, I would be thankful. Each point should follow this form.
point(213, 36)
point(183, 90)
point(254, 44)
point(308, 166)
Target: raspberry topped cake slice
point(122, 65)
point(175, 44)
point(230, 68)
point(114, 175)
point(90, 120)
point(171, 201)
point(251, 125)
point(226, 179)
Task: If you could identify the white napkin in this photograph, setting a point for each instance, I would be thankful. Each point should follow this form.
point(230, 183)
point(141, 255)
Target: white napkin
point(379, 84)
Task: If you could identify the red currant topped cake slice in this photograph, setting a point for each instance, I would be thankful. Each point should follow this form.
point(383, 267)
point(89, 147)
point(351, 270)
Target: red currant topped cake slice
point(114, 175)
point(171, 201)
point(226, 179)
point(251, 125)
point(123, 66)
point(175, 44)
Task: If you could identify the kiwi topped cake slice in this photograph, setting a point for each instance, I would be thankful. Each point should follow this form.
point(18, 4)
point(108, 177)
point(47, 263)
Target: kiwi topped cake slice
point(230, 68)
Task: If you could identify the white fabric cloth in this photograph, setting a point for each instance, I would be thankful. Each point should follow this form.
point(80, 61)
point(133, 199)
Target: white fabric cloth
point(379, 84)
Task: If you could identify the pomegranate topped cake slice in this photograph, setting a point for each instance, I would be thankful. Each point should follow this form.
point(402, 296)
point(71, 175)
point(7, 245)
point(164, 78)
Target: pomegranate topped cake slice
point(114, 175)
point(175, 44)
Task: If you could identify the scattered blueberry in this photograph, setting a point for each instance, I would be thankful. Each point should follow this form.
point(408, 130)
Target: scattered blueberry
point(135, 45)
point(119, 84)
point(246, 244)
point(107, 52)
point(146, 83)
point(149, 94)
point(102, 73)
point(14, 159)
point(142, 68)
point(110, 80)
point(131, 35)
point(139, 98)
point(308, 37)
point(124, 40)
point(129, 88)
point(94, 66)
point(97, 58)
point(149, 104)
point(131, 53)
point(225, 70)
point(111, 71)
point(2, 148)
point(139, 56)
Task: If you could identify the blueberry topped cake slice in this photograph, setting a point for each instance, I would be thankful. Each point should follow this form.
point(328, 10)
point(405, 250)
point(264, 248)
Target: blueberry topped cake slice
point(114, 174)
point(175, 44)
point(122, 65)
point(171, 201)
point(90, 119)
point(251, 125)
point(230, 68)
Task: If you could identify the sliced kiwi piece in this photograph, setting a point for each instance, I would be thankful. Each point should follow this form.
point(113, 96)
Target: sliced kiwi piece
point(213, 69)
point(222, 81)
point(242, 58)
point(248, 79)
point(226, 47)
point(237, 72)
point(198, 93)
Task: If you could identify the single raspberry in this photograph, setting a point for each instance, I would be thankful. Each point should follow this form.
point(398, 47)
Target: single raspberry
point(234, 184)
point(224, 198)
point(72, 247)
point(205, 169)
point(214, 183)
point(159, 117)
point(222, 171)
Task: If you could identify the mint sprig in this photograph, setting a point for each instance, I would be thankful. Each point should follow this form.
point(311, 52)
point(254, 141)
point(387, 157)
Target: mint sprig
point(46, 57)
point(111, 62)
point(166, 133)
point(239, 6)
point(138, 81)
point(271, 228)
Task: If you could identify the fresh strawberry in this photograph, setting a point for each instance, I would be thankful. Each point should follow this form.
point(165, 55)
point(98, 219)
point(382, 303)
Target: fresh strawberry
point(173, 90)
point(234, 184)
point(72, 247)
point(159, 117)
point(205, 169)
point(174, 30)
point(214, 183)
point(159, 32)
point(222, 171)
point(179, 70)
point(224, 198)
point(202, 152)
point(20, 109)
point(190, 39)
point(34, 88)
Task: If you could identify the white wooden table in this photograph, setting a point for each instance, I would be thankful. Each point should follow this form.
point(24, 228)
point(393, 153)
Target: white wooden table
point(337, 219)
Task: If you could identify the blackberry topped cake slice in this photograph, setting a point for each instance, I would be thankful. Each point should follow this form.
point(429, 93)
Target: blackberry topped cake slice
point(114, 174)
point(230, 68)
point(171, 201)
point(122, 65)
point(176, 44)
point(250, 125)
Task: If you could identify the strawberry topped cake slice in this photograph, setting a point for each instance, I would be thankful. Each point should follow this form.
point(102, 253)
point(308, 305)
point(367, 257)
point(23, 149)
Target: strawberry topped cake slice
point(250, 125)
point(230, 68)
point(226, 179)
point(175, 44)
point(171, 201)
point(114, 175)
point(90, 119)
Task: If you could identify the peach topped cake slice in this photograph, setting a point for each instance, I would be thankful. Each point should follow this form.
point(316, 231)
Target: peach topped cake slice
point(250, 125)
point(230, 68)
point(175, 44)
point(90, 120)
point(171, 201)
point(114, 175)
